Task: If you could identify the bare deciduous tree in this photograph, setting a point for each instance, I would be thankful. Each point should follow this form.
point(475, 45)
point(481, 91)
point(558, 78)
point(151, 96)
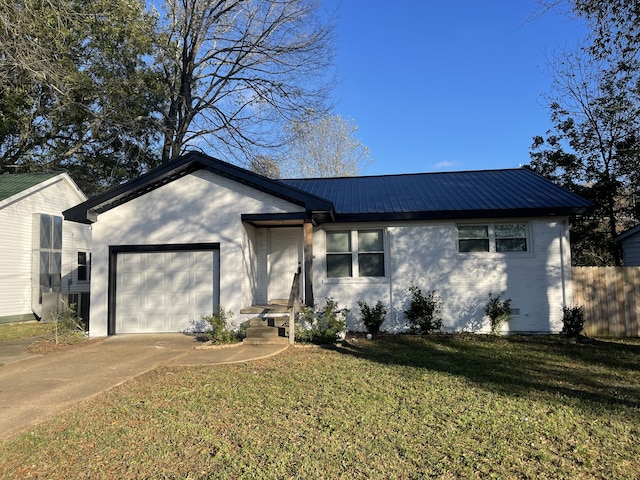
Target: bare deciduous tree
point(327, 147)
point(237, 69)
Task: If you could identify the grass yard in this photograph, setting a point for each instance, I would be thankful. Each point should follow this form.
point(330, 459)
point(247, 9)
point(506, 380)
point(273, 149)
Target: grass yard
point(15, 331)
point(457, 406)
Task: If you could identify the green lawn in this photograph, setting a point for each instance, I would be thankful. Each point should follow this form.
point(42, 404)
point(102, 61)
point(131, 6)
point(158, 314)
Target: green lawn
point(14, 331)
point(454, 406)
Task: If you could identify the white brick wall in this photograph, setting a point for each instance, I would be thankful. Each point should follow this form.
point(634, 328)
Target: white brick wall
point(426, 254)
point(198, 208)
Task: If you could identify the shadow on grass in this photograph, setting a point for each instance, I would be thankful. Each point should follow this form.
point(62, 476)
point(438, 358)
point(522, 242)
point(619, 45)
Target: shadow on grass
point(602, 372)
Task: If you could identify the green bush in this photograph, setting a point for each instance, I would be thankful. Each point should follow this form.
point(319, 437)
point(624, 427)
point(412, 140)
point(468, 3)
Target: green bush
point(572, 321)
point(372, 317)
point(219, 333)
point(69, 327)
point(423, 311)
point(498, 311)
point(321, 327)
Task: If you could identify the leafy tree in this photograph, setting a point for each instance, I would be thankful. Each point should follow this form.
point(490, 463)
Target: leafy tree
point(593, 146)
point(79, 91)
point(236, 69)
point(326, 147)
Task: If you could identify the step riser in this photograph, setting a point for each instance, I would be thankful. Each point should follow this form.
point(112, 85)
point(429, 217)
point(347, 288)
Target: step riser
point(269, 326)
point(265, 341)
point(267, 331)
point(270, 322)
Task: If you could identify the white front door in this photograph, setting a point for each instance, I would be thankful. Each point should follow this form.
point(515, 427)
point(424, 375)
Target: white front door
point(285, 256)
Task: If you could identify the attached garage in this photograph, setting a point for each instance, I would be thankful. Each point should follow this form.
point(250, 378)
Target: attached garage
point(162, 288)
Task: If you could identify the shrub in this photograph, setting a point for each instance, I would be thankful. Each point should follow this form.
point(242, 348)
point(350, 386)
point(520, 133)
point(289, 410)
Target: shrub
point(423, 310)
point(69, 327)
point(372, 317)
point(498, 311)
point(322, 327)
point(572, 321)
point(219, 333)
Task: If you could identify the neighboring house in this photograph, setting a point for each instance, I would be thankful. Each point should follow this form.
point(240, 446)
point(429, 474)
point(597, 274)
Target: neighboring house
point(44, 259)
point(630, 241)
point(197, 232)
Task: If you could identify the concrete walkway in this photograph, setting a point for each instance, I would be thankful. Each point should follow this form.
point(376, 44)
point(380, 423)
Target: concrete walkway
point(33, 388)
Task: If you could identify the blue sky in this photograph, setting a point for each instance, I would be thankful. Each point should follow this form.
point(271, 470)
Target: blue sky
point(443, 85)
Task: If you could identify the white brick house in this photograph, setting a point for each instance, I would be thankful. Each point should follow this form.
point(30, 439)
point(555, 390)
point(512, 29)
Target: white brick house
point(197, 232)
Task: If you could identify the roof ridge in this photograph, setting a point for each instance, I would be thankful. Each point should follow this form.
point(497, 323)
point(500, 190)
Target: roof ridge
point(387, 175)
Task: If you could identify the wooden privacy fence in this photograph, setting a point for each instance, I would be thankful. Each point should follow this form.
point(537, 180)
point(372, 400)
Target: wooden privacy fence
point(611, 300)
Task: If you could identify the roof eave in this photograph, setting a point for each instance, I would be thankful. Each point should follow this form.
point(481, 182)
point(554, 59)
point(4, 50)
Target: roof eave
point(460, 214)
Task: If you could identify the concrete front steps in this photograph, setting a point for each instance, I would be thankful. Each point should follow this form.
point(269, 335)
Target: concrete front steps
point(269, 326)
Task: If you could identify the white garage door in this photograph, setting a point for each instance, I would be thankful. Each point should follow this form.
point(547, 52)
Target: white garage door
point(165, 291)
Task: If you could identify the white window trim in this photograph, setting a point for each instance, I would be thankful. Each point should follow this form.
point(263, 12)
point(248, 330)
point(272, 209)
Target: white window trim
point(355, 278)
point(492, 238)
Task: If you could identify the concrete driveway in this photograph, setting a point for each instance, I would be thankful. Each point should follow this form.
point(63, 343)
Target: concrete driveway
point(36, 387)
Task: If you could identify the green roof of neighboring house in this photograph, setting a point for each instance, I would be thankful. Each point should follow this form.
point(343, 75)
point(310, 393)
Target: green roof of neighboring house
point(13, 183)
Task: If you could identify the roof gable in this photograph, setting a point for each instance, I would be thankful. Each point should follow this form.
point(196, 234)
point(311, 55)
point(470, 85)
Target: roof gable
point(627, 234)
point(15, 186)
point(472, 194)
point(87, 211)
point(13, 183)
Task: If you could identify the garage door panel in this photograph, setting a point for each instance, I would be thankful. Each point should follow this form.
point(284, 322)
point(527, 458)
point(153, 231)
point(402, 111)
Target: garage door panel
point(155, 323)
point(130, 279)
point(180, 300)
point(155, 300)
point(204, 300)
point(153, 279)
point(180, 280)
point(165, 291)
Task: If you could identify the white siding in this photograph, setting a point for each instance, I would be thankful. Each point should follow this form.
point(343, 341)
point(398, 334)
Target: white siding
point(198, 208)
point(631, 250)
point(425, 253)
point(16, 241)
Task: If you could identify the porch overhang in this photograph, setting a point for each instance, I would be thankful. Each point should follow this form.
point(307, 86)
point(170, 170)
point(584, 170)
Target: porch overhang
point(287, 219)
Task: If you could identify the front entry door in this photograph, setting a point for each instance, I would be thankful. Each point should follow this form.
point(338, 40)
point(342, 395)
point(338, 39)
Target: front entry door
point(285, 257)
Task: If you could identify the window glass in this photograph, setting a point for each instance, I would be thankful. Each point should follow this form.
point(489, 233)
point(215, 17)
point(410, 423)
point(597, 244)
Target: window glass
point(45, 271)
point(473, 231)
point(56, 233)
point(56, 271)
point(510, 231)
point(45, 231)
point(339, 265)
point(474, 245)
point(473, 238)
point(486, 238)
point(371, 264)
point(82, 267)
point(511, 238)
point(355, 253)
point(370, 241)
point(338, 241)
point(511, 245)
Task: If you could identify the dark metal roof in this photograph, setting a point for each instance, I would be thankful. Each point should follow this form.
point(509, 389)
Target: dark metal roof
point(476, 194)
point(14, 183)
point(472, 194)
point(626, 234)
